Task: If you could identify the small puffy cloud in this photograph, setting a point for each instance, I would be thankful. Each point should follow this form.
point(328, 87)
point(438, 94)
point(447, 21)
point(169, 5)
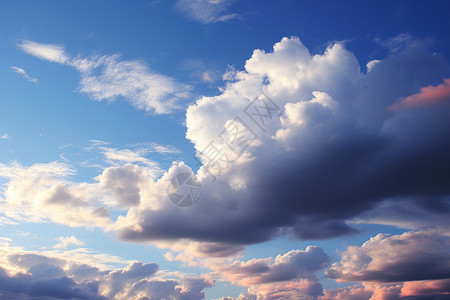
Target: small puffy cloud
point(4, 136)
point(384, 258)
point(206, 11)
point(371, 64)
point(24, 74)
point(107, 78)
point(64, 242)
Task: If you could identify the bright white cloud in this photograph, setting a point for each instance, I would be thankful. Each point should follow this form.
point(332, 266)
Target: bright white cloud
point(24, 74)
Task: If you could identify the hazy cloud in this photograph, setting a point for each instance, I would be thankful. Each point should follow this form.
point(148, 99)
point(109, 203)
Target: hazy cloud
point(206, 11)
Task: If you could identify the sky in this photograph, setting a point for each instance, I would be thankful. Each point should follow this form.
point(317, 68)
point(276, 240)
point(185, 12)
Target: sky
point(214, 149)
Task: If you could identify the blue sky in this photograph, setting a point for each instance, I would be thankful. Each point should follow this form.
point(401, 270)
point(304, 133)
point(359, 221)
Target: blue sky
point(317, 131)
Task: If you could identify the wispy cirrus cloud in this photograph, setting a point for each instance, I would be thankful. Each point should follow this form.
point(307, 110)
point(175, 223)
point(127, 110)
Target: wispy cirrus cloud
point(107, 77)
point(206, 11)
point(50, 52)
point(24, 74)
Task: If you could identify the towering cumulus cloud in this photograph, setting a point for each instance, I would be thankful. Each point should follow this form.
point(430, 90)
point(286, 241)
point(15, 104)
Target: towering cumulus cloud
point(334, 151)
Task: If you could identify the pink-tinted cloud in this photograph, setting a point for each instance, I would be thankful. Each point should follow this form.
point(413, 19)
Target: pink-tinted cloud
point(430, 287)
point(390, 291)
point(384, 258)
point(289, 266)
point(427, 96)
point(303, 289)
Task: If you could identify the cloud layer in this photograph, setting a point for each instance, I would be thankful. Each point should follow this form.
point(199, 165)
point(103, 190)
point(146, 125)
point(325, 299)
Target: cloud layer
point(29, 275)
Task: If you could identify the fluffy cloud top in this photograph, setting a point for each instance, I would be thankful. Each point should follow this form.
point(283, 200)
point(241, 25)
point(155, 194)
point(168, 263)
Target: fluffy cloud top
point(29, 275)
point(292, 265)
point(406, 257)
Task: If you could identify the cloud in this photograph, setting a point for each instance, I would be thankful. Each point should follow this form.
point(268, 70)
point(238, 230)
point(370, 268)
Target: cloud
point(107, 78)
point(287, 276)
point(398, 43)
point(334, 153)
point(412, 214)
point(428, 96)
point(64, 242)
point(30, 275)
point(23, 286)
point(384, 258)
point(123, 183)
point(41, 193)
point(329, 153)
point(413, 290)
point(206, 11)
point(294, 264)
point(124, 156)
point(4, 136)
point(50, 52)
point(303, 289)
point(132, 80)
point(24, 74)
